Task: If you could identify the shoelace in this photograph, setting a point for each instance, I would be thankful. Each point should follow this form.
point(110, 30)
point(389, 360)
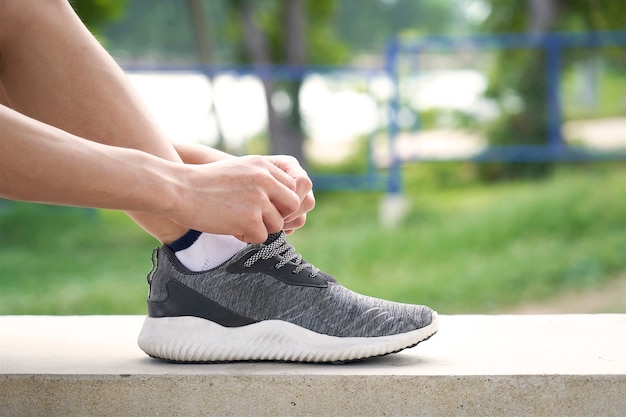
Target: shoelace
point(282, 248)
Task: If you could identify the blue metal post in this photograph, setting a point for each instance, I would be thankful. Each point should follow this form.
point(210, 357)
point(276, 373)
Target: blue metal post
point(553, 87)
point(394, 180)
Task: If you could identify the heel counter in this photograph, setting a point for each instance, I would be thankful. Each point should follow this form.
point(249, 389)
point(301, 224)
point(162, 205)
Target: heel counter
point(155, 292)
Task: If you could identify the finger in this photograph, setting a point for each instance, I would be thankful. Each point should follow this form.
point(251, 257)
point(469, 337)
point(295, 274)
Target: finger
point(291, 166)
point(273, 221)
point(281, 176)
point(304, 187)
point(306, 205)
point(295, 223)
point(284, 199)
point(286, 202)
point(255, 233)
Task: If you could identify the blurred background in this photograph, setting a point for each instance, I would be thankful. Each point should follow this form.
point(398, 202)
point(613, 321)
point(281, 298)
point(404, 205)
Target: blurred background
point(466, 154)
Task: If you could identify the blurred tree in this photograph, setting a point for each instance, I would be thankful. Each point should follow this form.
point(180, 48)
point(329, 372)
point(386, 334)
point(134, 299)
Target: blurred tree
point(267, 32)
point(261, 32)
point(520, 76)
point(202, 37)
point(284, 32)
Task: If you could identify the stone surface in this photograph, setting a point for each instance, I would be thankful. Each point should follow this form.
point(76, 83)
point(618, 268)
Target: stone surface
point(539, 365)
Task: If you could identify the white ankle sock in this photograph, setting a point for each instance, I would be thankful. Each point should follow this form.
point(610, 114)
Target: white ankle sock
point(201, 251)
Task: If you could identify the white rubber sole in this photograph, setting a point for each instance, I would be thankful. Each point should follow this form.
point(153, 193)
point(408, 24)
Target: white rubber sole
point(192, 339)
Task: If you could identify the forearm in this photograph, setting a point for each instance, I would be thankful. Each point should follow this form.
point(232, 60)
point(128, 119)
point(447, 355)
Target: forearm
point(193, 153)
point(43, 164)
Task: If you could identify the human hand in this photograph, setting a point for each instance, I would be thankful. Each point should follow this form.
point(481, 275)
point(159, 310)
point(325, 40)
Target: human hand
point(304, 189)
point(200, 154)
point(248, 197)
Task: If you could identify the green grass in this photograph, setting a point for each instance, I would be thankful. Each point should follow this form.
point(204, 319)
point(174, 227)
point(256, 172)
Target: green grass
point(57, 260)
point(463, 247)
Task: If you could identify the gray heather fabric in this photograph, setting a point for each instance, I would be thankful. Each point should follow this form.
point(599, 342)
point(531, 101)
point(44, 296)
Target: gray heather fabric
point(332, 310)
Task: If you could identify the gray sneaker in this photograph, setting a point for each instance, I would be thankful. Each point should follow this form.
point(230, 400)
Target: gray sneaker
point(267, 304)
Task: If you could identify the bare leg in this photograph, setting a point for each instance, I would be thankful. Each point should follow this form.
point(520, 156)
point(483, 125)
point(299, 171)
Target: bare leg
point(3, 97)
point(54, 70)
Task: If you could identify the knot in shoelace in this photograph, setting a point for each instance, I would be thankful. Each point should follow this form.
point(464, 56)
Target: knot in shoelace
point(280, 247)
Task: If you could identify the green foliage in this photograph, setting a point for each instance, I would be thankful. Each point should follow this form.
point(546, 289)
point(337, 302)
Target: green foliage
point(325, 48)
point(367, 25)
point(582, 15)
point(518, 84)
point(521, 95)
point(96, 13)
point(511, 16)
point(520, 76)
point(157, 30)
point(338, 30)
point(142, 32)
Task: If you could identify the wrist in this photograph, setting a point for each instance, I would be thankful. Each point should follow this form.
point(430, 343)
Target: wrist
point(166, 188)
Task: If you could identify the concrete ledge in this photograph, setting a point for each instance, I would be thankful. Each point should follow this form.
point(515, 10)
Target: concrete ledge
point(565, 365)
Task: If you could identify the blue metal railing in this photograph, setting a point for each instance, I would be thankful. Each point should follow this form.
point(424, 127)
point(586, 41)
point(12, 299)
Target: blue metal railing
point(555, 149)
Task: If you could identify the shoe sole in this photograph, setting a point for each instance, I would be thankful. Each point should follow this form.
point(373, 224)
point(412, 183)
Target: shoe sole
point(196, 340)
